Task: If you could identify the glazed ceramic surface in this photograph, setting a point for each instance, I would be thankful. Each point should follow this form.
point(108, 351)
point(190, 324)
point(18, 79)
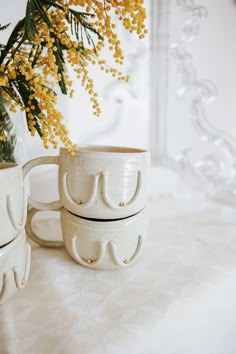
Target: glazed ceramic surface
point(104, 245)
point(13, 203)
point(14, 266)
point(99, 182)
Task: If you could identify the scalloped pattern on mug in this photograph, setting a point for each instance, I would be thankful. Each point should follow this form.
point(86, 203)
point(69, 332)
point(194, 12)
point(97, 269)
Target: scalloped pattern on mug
point(14, 266)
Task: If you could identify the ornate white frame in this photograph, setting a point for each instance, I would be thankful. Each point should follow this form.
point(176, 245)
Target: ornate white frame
point(215, 174)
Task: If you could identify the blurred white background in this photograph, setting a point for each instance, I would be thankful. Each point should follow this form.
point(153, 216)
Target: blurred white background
point(148, 112)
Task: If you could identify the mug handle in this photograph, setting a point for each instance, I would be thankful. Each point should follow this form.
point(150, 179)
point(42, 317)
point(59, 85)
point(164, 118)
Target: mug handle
point(31, 234)
point(45, 160)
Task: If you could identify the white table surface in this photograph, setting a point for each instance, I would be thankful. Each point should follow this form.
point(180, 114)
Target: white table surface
point(179, 298)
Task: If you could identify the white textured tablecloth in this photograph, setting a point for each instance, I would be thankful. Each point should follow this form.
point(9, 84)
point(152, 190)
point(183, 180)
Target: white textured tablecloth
point(179, 298)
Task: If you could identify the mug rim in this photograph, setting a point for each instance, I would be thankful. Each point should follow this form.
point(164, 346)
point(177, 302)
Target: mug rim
point(107, 149)
point(101, 224)
point(5, 249)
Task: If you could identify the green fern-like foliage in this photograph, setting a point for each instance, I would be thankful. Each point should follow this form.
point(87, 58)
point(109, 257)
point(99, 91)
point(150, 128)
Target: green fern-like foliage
point(53, 38)
point(24, 34)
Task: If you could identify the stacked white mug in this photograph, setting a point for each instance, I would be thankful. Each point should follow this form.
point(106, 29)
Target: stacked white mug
point(103, 195)
point(14, 249)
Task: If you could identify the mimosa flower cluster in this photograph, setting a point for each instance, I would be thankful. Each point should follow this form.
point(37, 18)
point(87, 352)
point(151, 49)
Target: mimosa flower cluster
point(54, 35)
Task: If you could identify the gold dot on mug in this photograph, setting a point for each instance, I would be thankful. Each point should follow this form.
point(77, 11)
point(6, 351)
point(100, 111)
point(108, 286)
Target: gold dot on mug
point(126, 261)
point(23, 281)
point(78, 202)
point(122, 204)
point(89, 261)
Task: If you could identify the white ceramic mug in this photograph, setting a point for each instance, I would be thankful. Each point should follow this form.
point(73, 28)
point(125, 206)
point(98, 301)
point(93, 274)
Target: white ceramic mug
point(14, 266)
point(98, 244)
point(13, 202)
point(104, 245)
point(99, 182)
